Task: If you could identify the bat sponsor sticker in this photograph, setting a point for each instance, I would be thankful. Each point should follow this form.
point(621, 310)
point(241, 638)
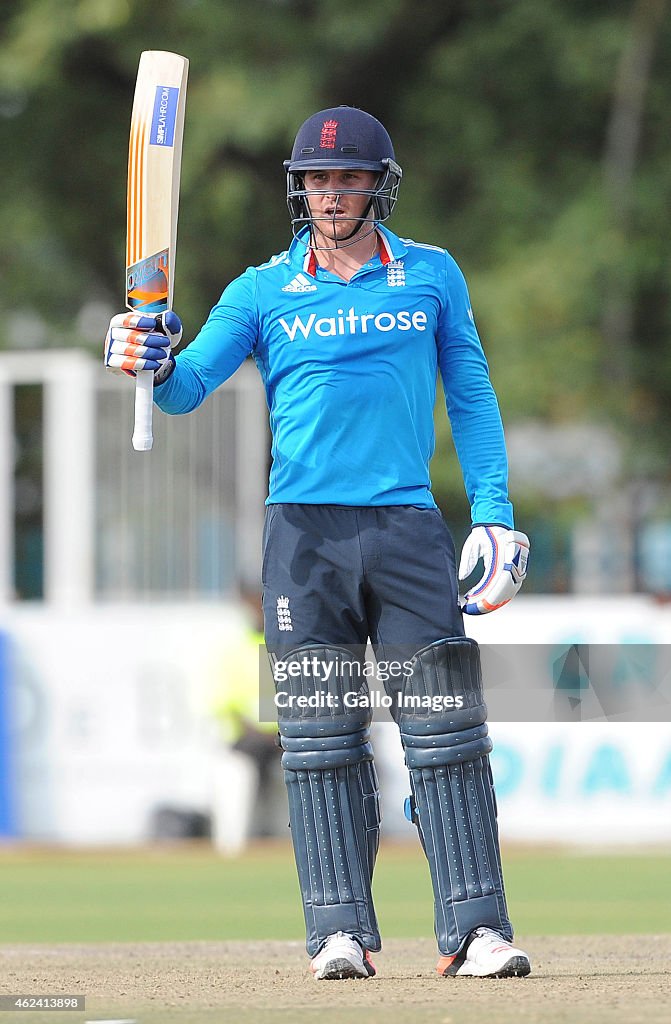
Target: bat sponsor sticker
point(147, 283)
point(164, 116)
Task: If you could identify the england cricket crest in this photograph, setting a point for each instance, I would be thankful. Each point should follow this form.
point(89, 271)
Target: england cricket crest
point(284, 623)
point(396, 274)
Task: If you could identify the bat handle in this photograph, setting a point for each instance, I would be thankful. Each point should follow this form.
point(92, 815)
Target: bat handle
point(144, 398)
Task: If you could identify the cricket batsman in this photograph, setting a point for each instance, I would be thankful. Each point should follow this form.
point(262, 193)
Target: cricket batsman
point(349, 329)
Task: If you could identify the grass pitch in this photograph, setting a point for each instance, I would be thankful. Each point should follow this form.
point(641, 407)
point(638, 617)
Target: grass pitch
point(179, 935)
point(188, 892)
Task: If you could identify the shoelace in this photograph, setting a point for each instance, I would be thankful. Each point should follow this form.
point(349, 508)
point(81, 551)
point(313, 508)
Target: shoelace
point(338, 937)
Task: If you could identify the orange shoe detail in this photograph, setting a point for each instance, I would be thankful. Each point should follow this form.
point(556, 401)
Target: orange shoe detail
point(444, 964)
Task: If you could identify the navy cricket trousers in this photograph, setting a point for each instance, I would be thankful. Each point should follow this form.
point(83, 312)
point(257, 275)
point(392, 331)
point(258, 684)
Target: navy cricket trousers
point(340, 574)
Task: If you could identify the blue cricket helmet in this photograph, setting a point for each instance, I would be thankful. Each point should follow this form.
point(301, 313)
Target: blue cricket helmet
point(342, 137)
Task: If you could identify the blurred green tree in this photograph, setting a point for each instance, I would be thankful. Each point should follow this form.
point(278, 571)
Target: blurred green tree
point(534, 136)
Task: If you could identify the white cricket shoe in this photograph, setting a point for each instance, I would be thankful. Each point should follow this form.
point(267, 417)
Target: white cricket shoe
point(340, 957)
point(486, 955)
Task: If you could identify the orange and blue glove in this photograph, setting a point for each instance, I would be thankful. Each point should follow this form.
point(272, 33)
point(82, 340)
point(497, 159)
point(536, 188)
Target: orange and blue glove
point(142, 341)
point(505, 554)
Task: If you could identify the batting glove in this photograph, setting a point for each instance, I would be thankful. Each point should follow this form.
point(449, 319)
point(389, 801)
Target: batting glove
point(141, 341)
point(505, 554)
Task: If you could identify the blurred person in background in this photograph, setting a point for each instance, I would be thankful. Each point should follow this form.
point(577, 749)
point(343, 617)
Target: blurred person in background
point(247, 799)
point(349, 329)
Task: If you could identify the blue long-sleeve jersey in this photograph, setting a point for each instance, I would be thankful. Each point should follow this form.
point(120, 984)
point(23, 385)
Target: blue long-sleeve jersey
point(350, 372)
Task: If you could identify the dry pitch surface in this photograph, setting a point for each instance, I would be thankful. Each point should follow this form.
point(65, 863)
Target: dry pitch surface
point(614, 979)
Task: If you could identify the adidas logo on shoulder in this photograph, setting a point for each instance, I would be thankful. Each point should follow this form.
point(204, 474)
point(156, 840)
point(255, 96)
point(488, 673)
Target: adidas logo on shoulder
point(300, 283)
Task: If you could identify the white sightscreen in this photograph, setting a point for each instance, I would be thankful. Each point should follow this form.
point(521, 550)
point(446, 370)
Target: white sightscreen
point(182, 521)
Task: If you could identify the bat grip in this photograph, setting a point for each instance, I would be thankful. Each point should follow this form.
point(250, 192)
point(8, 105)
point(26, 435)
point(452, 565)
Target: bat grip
point(144, 398)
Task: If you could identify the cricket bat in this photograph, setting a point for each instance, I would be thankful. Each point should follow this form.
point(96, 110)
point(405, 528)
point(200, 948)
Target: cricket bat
point(154, 162)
